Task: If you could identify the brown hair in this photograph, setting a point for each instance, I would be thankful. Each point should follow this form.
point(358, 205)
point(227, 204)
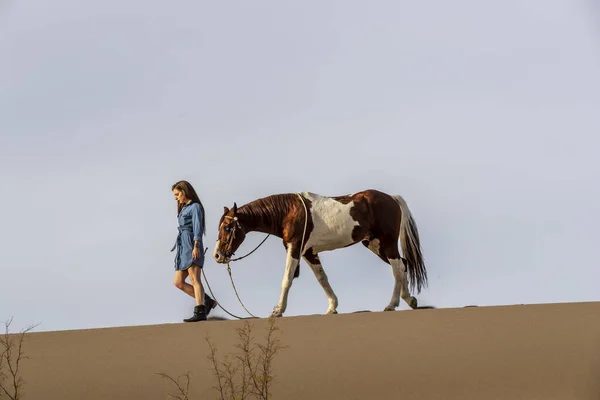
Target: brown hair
point(190, 193)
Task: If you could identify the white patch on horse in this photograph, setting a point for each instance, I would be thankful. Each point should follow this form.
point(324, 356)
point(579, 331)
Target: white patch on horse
point(333, 224)
point(216, 249)
point(374, 246)
point(400, 286)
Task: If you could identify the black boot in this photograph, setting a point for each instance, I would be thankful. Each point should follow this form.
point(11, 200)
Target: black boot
point(199, 314)
point(209, 303)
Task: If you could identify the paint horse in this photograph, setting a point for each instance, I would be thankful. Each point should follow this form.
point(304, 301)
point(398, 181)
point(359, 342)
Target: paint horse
point(310, 223)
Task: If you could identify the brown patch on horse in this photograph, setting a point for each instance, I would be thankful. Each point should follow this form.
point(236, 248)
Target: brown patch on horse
point(345, 199)
point(225, 212)
point(384, 221)
point(267, 214)
point(280, 215)
point(294, 229)
point(383, 225)
point(311, 257)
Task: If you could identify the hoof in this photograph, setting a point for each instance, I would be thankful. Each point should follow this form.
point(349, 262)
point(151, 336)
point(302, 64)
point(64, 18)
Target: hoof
point(412, 302)
point(389, 308)
point(276, 313)
point(330, 312)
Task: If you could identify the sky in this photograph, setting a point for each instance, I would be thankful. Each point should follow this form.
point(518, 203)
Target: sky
point(483, 116)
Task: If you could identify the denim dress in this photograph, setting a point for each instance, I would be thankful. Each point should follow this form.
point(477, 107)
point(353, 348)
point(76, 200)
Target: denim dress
point(190, 229)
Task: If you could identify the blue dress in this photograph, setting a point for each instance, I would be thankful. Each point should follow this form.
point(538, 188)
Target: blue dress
point(190, 229)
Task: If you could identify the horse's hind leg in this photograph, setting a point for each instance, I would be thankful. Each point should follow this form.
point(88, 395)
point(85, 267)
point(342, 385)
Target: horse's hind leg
point(404, 292)
point(397, 270)
point(315, 264)
point(400, 285)
point(390, 254)
point(375, 246)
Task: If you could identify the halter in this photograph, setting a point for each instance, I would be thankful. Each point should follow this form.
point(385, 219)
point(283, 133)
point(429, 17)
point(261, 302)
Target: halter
point(228, 252)
point(232, 236)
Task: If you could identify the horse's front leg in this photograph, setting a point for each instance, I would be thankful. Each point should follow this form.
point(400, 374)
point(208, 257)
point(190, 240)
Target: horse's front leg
point(290, 267)
point(314, 262)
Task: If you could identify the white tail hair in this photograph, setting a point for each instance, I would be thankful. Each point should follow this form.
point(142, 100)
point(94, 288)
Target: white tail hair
point(411, 246)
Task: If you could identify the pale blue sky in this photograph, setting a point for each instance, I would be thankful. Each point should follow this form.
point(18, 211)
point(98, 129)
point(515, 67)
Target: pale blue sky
point(483, 115)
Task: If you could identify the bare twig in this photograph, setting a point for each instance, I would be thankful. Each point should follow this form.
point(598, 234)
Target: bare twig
point(230, 375)
point(184, 391)
point(12, 355)
point(246, 357)
point(268, 352)
point(216, 370)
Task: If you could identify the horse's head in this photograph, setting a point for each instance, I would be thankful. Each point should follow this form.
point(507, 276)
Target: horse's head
point(231, 235)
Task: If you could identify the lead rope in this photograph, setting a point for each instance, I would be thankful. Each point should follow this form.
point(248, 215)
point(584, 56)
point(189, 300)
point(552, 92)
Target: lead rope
point(233, 284)
point(239, 258)
point(219, 304)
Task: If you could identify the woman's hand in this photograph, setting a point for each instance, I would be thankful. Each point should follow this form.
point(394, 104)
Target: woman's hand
point(196, 253)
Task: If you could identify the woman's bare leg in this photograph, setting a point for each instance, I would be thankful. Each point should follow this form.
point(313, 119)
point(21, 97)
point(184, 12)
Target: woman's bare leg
point(181, 284)
point(194, 274)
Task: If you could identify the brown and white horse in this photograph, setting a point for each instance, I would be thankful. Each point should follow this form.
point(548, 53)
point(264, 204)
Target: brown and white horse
point(309, 223)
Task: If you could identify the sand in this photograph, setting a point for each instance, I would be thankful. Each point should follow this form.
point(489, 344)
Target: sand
point(549, 351)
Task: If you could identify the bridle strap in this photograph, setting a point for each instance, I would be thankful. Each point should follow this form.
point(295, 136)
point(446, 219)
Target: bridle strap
point(232, 236)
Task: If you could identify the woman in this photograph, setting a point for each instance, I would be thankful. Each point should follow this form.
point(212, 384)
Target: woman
point(189, 258)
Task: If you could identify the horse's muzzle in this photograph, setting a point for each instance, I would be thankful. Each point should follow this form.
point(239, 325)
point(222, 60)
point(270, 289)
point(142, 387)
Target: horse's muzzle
point(220, 258)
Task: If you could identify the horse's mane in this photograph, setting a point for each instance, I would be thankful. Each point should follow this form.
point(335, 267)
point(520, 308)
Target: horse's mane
point(269, 211)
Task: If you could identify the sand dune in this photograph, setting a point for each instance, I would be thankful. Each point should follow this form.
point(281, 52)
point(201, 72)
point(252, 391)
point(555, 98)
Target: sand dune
point(528, 352)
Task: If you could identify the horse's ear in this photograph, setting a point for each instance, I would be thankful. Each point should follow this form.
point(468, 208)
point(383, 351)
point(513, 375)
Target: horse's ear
point(234, 208)
point(225, 210)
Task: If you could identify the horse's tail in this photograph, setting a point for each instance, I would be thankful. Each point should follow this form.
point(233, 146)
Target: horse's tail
point(411, 247)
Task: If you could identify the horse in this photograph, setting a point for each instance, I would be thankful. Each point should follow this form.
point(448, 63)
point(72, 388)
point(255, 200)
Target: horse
point(309, 223)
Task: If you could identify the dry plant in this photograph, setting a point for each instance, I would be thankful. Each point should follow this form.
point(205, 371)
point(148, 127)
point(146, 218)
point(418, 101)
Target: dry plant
point(11, 357)
point(247, 374)
point(182, 389)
